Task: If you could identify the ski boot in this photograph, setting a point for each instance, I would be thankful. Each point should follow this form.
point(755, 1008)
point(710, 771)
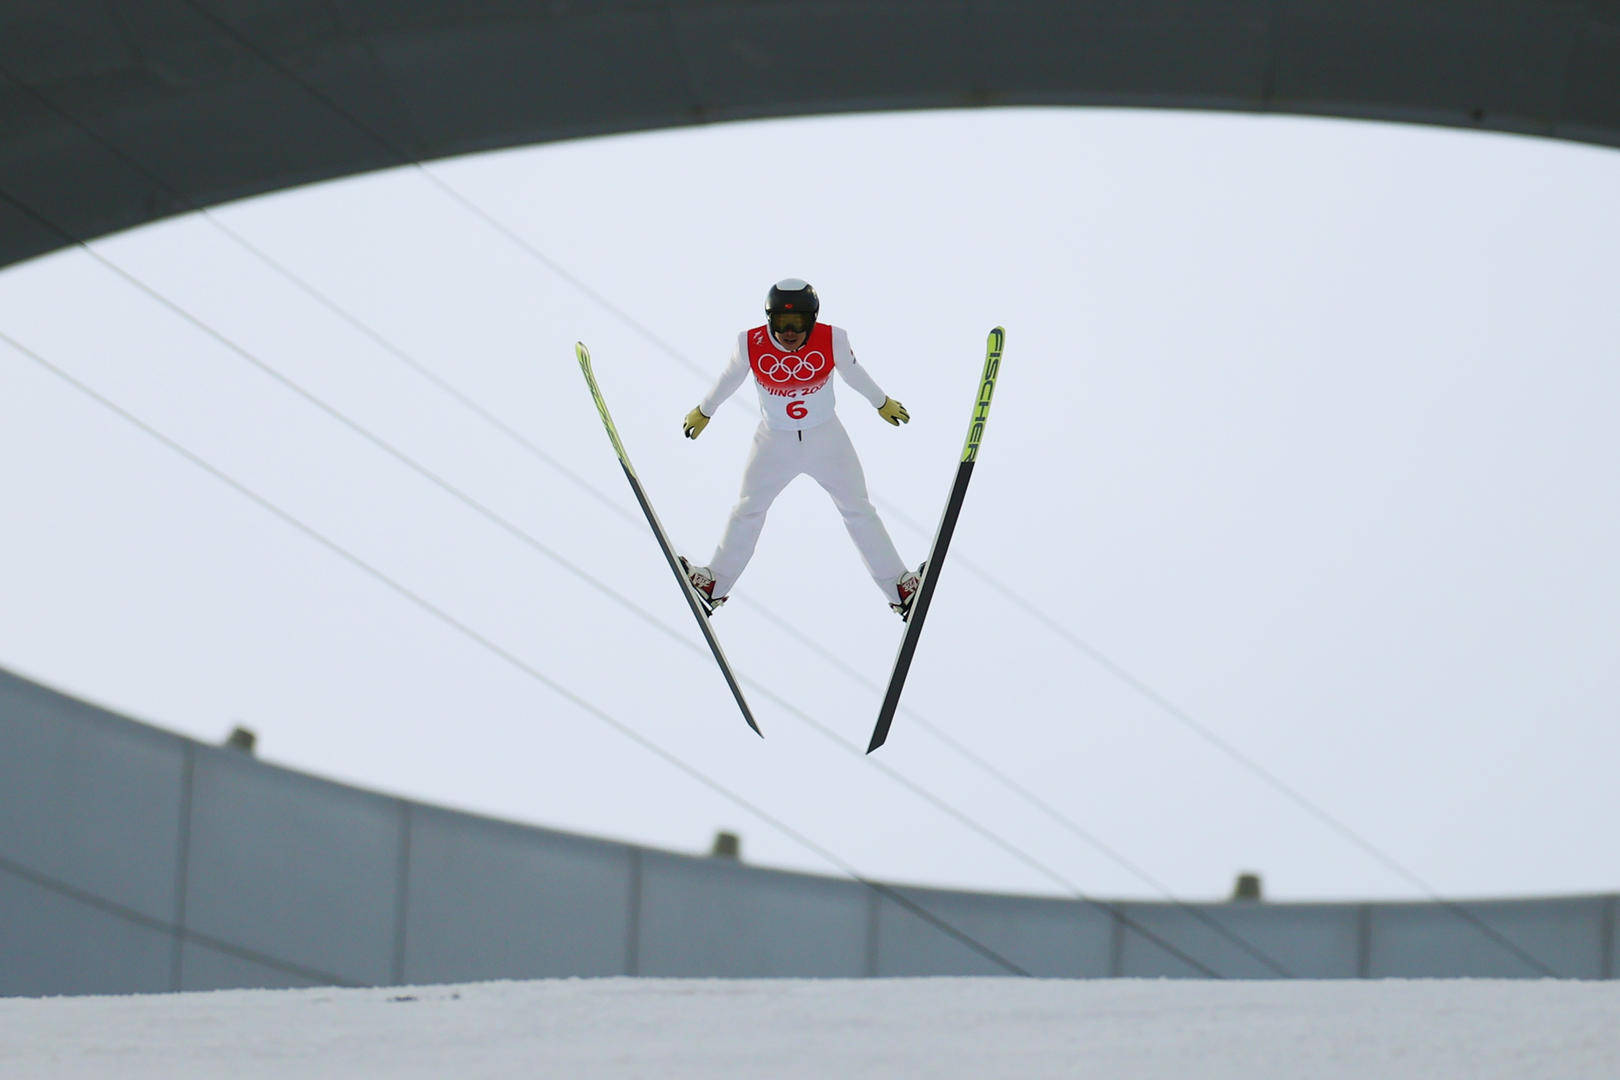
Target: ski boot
point(702, 582)
point(908, 585)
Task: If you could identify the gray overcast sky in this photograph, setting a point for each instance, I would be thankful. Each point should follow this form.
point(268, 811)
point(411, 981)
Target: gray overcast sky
point(1301, 468)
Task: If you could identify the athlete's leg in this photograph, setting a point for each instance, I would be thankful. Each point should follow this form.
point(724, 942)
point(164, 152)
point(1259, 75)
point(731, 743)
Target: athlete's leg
point(773, 461)
point(833, 463)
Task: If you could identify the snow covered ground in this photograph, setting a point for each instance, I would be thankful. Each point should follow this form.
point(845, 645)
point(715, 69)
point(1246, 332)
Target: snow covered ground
point(957, 1027)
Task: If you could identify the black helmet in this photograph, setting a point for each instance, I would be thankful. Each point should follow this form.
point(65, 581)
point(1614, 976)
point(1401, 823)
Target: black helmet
point(793, 295)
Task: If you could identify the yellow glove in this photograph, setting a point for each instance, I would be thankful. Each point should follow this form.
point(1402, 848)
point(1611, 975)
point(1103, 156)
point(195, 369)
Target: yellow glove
point(894, 412)
point(695, 423)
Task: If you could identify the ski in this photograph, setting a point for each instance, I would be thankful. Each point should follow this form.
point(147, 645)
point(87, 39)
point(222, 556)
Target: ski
point(942, 540)
point(670, 557)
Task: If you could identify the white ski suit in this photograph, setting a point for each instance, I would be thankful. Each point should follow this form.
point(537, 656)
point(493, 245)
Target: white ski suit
point(800, 433)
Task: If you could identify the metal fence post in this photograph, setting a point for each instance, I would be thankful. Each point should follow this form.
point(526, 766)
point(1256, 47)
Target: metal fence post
point(182, 865)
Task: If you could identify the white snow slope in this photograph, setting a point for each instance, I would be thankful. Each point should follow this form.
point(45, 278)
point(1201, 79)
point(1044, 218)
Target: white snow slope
point(948, 1027)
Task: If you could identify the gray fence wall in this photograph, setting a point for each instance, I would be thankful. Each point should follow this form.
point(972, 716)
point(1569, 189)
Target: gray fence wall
point(135, 860)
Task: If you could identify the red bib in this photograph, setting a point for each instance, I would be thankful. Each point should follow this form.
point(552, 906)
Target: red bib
point(791, 374)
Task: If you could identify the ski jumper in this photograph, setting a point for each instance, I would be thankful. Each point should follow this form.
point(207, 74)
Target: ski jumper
point(800, 433)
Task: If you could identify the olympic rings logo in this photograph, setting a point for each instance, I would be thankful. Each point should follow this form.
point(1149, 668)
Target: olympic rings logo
point(792, 367)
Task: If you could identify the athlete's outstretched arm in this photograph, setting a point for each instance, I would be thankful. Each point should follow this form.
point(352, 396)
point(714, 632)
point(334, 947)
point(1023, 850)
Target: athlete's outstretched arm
point(730, 379)
point(863, 383)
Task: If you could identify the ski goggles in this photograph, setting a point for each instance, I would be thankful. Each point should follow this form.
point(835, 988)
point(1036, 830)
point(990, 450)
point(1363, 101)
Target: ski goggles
point(790, 323)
